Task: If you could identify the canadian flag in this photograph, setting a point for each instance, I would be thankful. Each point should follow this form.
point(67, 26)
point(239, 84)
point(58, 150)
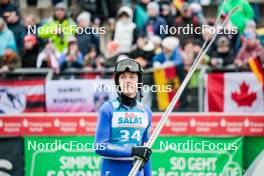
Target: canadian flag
point(233, 92)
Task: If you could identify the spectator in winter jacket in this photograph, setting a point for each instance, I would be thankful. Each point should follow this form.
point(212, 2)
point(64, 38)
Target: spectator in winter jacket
point(223, 55)
point(6, 37)
point(10, 60)
point(154, 23)
point(240, 18)
point(251, 48)
point(125, 30)
point(72, 57)
point(58, 28)
point(86, 39)
point(14, 24)
point(170, 53)
point(30, 52)
point(141, 14)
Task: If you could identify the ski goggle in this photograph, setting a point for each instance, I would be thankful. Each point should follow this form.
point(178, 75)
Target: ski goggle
point(128, 65)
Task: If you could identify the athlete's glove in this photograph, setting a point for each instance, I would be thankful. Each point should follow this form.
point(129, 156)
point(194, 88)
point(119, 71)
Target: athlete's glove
point(141, 152)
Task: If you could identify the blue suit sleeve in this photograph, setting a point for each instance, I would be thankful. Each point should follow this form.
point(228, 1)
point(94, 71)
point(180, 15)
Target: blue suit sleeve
point(103, 132)
point(147, 166)
point(146, 134)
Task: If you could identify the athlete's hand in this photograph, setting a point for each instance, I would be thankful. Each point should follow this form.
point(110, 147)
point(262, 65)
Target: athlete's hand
point(141, 152)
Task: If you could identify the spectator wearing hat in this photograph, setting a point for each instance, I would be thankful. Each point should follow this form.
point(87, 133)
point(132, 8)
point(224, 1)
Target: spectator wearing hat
point(6, 37)
point(170, 53)
point(31, 51)
point(58, 28)
point(154, 22)
point(251, 48)
point(86, 39)
point(223, 55)
point(72, 57)
point(9, 60)
point(125, 30)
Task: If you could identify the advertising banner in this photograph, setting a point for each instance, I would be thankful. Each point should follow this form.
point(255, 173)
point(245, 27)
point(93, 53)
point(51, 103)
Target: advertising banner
point(22, 96)
point(61, 156)
point(78, 95)
point(179, 124)
point(193, 156)
point(178, 156)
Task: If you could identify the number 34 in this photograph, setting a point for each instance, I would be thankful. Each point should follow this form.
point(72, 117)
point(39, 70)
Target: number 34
point(125, 135)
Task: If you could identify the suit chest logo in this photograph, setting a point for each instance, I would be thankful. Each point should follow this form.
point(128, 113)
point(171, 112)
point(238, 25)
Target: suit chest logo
point(129, 119)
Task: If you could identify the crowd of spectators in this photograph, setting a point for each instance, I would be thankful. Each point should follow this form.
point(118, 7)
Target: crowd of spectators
point(136, 29)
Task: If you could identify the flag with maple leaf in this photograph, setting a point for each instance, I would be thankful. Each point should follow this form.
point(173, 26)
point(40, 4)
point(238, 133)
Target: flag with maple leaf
point(233, 92)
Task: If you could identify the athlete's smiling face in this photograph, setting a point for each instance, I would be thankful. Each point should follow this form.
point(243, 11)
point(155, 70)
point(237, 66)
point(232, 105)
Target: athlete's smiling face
point(128, 82)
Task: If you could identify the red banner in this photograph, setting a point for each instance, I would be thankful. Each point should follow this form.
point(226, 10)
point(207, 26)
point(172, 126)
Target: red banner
point(177, 125)
point(22, 96)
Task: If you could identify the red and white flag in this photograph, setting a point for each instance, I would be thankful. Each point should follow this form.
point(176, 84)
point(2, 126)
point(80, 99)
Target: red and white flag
point(22, 96)
point(233, 92)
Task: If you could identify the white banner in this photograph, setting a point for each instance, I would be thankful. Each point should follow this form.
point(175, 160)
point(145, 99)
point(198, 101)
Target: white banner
point(78, 95)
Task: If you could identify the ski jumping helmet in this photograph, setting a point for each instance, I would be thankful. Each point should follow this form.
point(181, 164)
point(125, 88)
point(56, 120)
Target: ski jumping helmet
point(131, 66)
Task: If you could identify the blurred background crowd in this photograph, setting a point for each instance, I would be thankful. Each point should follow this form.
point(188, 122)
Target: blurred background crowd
point(131, 28)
